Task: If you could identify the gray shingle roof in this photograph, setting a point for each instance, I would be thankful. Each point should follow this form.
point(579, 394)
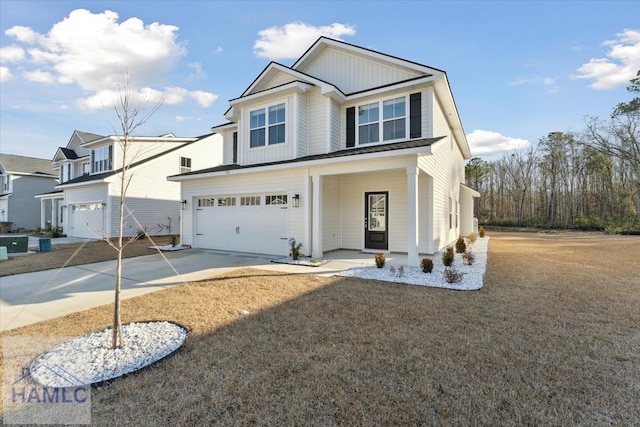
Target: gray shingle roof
point(28, 165)
point(415, 143)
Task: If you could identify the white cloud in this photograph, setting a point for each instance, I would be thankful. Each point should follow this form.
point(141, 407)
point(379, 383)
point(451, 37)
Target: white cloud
point(291, 40)
point(204, 99)
point(40, 76)
point(488, 142)
point(620, 66)
point(92, 49)
point(11, 54)
point(548, 83)
point(186, 118)
point(22, 34)
point(5, 74)
point(198, 72)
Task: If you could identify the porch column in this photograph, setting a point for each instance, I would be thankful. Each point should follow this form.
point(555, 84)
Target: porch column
point(43, 215)
point(412, 216)
point(54, 213)
point(316, 219)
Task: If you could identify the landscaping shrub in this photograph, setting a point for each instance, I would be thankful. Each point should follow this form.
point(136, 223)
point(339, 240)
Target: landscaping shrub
point(468, 257)
point(56, 232)
point(448, 256)
point(461, 246)
point(380, 260)
point(451, 275)
point(174, 240)
point(294, 249)
point(472, 238)
point(481, 231)
point(426, 265)
point(141, 234)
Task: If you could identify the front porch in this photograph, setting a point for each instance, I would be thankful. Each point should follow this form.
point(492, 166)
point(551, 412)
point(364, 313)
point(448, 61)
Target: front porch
point(51, 209)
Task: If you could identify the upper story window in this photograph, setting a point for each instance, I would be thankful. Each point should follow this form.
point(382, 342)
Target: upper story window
point(267, 126)
point(101, 159)
point(65, 172)
point(86, 168)
point(185, 164)
point(6, 179)
point(391, 126)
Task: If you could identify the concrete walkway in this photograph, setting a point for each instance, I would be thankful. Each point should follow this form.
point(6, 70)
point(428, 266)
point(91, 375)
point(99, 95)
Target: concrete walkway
point(34, 297)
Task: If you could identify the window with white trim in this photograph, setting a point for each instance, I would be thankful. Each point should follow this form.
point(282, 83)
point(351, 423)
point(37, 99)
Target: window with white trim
point(86, 168)
point(206, 202)
point(392, 126)
point(101, 159)
point(6, 179)
point(267, 126)
point(275, 199)
point(226, 201)
point(250, 201)
point(65, 172)
point(185, 164)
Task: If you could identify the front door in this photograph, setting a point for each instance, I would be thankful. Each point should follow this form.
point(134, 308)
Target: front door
point(376, 220)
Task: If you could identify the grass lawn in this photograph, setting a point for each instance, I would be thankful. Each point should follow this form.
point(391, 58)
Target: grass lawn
point(553, 338)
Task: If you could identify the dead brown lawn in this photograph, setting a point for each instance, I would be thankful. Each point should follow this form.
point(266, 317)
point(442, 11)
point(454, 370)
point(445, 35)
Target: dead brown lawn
point(76, 254)
point(552, 339)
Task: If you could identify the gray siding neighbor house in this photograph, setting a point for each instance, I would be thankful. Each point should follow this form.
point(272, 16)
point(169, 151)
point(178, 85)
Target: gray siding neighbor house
point(21, 178)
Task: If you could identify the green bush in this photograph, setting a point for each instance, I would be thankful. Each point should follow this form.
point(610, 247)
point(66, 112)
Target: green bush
point(380, 260)
point(481, 232)
point(448, 256)
point(174, 240)
point(426, 265)
point(461, 246)
point(56, 232)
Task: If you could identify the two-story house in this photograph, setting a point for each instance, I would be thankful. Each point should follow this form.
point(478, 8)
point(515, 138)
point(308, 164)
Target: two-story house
point(21, 178)
point(346, 149)
point(87, 198)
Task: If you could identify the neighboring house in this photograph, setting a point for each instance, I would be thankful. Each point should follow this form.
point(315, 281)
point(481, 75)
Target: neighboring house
point(347, 149)
point(89, 191)
point(21, 179)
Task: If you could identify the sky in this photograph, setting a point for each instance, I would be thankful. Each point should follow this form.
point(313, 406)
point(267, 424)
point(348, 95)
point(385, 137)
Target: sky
point(518, 70)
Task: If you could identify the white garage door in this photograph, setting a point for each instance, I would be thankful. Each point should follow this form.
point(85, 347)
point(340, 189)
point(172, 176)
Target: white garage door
point(86, 220)
point(257, 223)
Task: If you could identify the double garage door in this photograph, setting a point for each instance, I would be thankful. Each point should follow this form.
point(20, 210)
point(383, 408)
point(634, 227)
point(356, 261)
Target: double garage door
point(86, 220)
point(256, 223)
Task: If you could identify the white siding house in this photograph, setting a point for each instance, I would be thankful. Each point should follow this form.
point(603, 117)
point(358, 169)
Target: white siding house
point(346, 149)
point(88, 195)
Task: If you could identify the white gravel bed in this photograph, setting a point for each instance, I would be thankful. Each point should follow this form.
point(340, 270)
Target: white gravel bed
point(472, 279)
point(89, 359)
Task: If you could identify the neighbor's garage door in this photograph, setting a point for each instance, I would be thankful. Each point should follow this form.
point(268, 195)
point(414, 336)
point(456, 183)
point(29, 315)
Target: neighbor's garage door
point(257, 223)
point(86, 220)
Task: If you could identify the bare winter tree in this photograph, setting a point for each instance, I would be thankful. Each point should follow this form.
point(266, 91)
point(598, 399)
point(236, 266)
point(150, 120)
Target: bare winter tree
point(132, 115)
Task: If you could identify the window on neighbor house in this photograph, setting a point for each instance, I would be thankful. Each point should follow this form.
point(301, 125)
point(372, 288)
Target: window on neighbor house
point(267, 126)
point(86, 168)
point(226, 201)
point(101, 159)
point(65, 172)
point(391, 126)
point(5, 182)
point(185, 164)
point(250, 201)
point(275, 199)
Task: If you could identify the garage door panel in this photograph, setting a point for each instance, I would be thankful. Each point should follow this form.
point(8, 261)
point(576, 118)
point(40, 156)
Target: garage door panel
point(258, 229)
point(86, 220)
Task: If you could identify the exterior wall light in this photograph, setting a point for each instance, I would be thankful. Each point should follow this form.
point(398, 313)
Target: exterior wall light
point(295, 201)
point(184, 205)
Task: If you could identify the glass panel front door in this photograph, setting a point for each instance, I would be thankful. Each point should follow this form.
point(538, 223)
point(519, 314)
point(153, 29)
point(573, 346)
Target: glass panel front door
point(376, 220)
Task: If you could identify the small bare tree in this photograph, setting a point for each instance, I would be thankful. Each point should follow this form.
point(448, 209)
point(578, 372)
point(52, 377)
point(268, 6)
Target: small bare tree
point(131, 116)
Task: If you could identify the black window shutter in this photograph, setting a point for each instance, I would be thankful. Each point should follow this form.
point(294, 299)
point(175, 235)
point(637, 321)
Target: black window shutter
point(351, 127)
point(111, 157)
point(92, 169)
point(415, 115)
point(235, 147)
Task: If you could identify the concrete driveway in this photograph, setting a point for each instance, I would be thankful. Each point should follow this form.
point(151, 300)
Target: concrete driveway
point(34, 297)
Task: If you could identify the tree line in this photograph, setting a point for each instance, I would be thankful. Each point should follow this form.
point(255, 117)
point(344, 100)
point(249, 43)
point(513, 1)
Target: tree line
point(588, 179)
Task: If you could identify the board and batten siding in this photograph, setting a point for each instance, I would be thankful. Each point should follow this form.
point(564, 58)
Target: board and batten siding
point(440, 124)
point(331, 213)
point(288, 181)
point(317, 122)
point(303, 125)
point(227, 136)
point(278, 79)
point(336, 125)
point(352, 73)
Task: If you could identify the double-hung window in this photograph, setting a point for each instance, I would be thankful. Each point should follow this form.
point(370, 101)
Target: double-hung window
point(267, 126)
point(101, 159)
point(392, 126)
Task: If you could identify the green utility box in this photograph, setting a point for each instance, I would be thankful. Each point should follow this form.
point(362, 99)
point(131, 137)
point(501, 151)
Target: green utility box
point(15, 244)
